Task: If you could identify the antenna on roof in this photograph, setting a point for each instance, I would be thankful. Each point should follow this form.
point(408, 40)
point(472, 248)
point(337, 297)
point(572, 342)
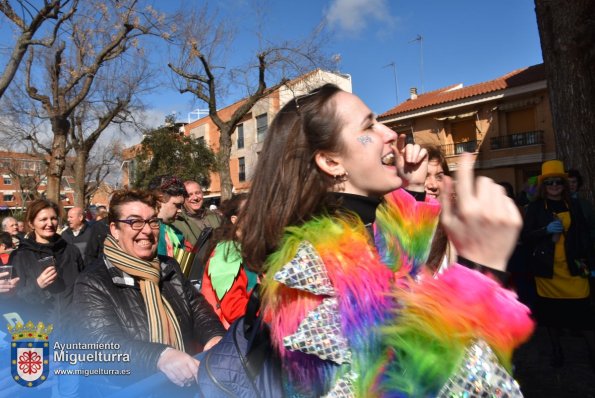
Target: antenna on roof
point(395, 76)
point(420, 39)
point(197, 112)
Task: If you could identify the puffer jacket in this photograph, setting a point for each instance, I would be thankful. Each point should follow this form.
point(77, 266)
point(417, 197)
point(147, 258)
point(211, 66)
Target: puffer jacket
point(52, 304)
point(112, 310)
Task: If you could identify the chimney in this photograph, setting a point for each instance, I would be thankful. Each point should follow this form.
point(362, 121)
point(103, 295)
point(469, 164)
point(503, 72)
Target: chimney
point(413, 92)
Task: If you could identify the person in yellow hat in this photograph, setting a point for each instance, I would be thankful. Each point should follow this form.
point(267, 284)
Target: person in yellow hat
point(560, 257)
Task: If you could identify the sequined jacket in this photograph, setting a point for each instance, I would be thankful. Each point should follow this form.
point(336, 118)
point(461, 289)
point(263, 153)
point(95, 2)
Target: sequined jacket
point(344, 311)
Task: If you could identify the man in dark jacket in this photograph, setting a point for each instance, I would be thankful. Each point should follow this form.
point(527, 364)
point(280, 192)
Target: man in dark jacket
point(98, 231)
point(78, 232)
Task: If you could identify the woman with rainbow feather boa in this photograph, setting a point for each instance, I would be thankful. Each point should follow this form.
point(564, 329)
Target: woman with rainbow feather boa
point(351, 309)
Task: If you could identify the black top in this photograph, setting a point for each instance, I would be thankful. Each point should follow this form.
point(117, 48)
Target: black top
point(365, 207)
point(50, 304)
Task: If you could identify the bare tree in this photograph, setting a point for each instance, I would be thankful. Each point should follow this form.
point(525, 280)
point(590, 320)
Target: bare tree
point(113, 102)
point(100, 164)
point(99, 33)
point(28, 20)
point(202, 70)
point(29, 172)
point(567, 33)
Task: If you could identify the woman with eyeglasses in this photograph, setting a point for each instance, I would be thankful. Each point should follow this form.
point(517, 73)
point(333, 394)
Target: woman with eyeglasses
point(142, 301)
point(352, 312)
point(560, 258)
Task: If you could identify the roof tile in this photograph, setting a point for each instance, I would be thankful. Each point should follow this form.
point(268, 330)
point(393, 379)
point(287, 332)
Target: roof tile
point(515, 78)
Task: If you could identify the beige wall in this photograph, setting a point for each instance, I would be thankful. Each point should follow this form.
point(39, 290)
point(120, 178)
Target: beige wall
point(511, 164)
point(270, 105)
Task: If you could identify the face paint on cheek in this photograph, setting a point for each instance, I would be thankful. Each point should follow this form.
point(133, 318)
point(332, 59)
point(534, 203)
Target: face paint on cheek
point(364, 139)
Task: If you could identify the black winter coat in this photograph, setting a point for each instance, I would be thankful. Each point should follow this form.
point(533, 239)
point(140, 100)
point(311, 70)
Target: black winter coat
point(52, 304)
point(112, 310)
point(81, 240)
point(541, 247)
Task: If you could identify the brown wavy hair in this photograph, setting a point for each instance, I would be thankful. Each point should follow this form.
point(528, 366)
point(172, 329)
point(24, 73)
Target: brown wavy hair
point(288, 187)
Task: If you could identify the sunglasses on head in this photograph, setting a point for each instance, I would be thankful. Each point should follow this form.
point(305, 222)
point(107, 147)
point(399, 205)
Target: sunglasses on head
point(557, 181)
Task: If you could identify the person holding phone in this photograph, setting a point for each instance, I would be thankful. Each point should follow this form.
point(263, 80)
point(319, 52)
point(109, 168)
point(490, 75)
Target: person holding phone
point(8, 284)
point(47, 266)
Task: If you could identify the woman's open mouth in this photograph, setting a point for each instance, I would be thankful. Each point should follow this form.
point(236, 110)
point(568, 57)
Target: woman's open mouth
point(388, 159)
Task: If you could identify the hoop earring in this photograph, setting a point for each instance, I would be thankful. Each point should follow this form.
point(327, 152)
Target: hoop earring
point(341, 177)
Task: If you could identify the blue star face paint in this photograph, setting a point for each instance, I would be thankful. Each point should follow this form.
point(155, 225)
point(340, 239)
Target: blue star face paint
point(364, 139)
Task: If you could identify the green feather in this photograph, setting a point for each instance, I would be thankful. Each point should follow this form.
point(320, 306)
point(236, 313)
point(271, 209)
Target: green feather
point(224, 267)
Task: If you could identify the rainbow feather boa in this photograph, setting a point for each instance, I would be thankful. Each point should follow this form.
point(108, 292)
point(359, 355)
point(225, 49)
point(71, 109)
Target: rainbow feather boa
point(439, 318)
point(404, 229)
point(362, 283)
point(406, 337)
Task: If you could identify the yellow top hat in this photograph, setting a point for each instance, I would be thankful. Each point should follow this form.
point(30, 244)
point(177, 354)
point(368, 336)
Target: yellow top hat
point(552, 168)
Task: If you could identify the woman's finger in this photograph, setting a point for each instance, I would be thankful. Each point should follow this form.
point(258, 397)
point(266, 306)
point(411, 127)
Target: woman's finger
point(401, 141)
point(464, 187)
point(446, 201)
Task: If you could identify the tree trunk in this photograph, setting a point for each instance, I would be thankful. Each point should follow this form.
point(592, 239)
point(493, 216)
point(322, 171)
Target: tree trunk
point(567, 32)
point(57, 164)
point(80, 171)
point(223, 164)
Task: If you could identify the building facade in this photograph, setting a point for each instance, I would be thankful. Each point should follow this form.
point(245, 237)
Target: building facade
point(251, 132)
point(505, 122)
point(24, 179)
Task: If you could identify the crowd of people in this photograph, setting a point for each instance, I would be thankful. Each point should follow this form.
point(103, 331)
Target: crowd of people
point(378, 274)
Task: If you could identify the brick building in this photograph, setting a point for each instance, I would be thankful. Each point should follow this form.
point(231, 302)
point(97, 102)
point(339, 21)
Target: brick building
point(23, 178)
point(505, 122)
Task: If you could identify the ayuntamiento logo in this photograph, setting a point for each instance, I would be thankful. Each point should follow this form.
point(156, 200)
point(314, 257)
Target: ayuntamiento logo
point(30, 353)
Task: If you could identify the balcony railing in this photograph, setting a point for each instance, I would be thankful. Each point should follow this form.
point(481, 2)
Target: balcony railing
point(517, 139)
point(460, 147)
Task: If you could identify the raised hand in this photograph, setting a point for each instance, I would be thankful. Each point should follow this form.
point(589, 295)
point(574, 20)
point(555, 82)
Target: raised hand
point(482, 222)
point(47, 277)
point(412, 164)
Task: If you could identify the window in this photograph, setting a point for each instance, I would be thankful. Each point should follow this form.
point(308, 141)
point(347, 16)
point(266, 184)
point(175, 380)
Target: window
point(464, 136)
point(7, 180)
point(520, 121)
point(242, 169)
point(29, 165)
point(8, 197)
point(240, 136)
point(261, 127)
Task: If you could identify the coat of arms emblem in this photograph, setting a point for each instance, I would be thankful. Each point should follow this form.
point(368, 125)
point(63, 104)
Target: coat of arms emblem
point(30, 353)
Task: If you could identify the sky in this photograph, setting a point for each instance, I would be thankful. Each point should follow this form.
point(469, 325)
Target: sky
point(463, 41)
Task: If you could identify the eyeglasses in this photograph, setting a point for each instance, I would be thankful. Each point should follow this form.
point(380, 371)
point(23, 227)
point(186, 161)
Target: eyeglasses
point(138, 224)
point(550, 183)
